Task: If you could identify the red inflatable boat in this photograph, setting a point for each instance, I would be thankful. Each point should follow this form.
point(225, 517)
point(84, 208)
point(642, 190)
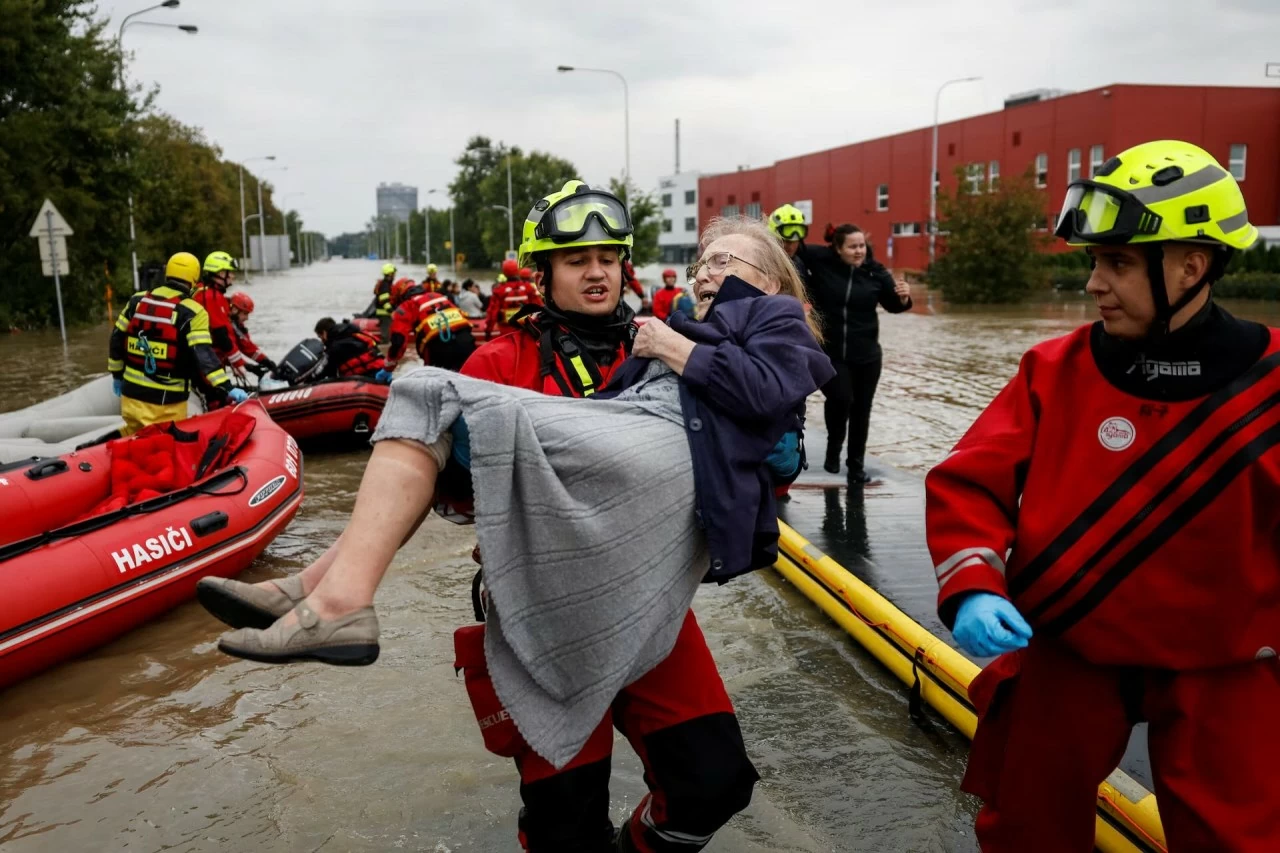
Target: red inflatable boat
point(335, 411)
point(86, 553)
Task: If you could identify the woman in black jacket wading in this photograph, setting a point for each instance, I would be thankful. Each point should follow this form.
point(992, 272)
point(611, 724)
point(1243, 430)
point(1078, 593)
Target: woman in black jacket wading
point(845, 284)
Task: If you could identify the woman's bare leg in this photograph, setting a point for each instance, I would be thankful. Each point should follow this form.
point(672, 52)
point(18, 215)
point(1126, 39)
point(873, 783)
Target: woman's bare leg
point(394, 498)
point(315, 572)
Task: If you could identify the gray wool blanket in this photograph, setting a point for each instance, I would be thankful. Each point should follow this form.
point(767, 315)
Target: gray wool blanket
point(585, 517)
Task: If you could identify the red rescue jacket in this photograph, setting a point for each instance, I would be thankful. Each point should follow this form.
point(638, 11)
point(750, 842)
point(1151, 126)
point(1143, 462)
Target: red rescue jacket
point(1141, 532)
point(441, 333)
point(663, 301)
point(219, 310)
point(534, 358)
point(507, 299)
point(245, 344)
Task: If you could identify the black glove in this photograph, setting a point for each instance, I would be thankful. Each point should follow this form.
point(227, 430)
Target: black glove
point(268, 364)
point(256, 368)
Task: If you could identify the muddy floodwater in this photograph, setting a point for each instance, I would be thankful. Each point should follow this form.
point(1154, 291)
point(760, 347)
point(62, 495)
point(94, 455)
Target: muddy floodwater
point(158, 742)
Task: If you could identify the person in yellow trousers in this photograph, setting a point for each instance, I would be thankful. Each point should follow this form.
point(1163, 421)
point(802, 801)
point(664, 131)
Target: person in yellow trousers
point(160, 345)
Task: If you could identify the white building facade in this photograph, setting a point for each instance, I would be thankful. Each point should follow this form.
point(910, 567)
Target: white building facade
point(678, 210)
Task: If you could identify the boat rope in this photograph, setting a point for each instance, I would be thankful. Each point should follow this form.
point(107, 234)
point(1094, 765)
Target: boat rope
point(211, 486)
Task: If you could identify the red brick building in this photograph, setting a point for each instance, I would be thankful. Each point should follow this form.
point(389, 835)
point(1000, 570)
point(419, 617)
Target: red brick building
point(881, 184)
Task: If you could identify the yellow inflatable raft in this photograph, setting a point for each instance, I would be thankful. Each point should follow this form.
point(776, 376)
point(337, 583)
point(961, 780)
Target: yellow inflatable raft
point(1127, 817)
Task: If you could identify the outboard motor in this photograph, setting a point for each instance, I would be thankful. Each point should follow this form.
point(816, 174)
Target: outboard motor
point(303, 364)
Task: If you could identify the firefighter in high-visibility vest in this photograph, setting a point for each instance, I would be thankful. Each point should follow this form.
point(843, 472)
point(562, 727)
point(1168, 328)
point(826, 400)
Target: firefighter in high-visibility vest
point(382, 299)
point(440, 332)
point(431, 283)
point(160, 345)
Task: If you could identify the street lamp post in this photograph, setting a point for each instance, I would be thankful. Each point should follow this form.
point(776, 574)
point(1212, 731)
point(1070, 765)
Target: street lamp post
point(124, 24)
point(262, 221)
point(453, 247)
point(244, 232)
point(626, 115)
point(933, 174)
point(511, 224)
point(427, 218)
point(297, 225)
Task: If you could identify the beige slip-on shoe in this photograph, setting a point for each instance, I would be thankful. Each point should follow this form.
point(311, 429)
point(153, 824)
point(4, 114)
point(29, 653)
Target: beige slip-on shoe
point(349, 640)
point(243, 605)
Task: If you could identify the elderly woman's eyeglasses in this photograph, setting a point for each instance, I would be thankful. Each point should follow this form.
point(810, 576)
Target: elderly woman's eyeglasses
point(716, 263)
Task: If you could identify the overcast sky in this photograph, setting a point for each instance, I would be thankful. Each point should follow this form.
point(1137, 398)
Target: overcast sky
point(348, 94)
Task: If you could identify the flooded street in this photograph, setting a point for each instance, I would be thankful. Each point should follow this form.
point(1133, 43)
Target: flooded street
point(158, 742)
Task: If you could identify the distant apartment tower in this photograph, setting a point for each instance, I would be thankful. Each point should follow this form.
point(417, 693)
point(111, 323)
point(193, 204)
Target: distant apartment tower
point(396, 200)
point(678, 206)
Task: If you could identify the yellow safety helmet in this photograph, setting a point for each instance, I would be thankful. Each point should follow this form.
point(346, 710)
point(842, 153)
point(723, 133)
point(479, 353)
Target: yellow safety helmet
point(388, 269)
point(787, 222)
point(217, 262)
point(1153, 193)
point(183, 267)
point(575, 216)
point(431, 268)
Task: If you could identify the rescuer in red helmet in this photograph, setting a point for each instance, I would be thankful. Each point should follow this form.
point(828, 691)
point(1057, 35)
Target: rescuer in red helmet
point(256, 361)
point(508, 298)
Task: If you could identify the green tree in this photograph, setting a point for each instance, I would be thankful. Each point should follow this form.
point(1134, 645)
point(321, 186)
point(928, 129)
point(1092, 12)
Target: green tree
point(481, 183)
point(64, 135)
point(645, 219)
point(187, 198)
point(992, 245)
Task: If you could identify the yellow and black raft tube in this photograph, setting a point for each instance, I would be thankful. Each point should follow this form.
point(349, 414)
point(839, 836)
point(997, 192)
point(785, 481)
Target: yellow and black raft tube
point(939, 675)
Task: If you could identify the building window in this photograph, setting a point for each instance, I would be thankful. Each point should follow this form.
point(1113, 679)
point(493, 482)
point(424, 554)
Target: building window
point(951, 149)
point(1095, 159)
point(690, 223)
point(1236, 162)
point(1017, 138)
point(690, 196)
point(711, 202)
point(666, 199)
point(974, 175)
point(882, 197)
point(729, 209)
point(755, 196)
point(993, 176)
point(1073, 165)
point(733, 199)
point(1042, 170)
point(666, 226)
point(937, 182)
point(906, 229)
point(753, 210)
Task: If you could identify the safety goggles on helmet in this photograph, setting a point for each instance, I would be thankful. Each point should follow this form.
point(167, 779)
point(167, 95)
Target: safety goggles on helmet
point(584, 216)
point(1094, 212)
point(792, 233)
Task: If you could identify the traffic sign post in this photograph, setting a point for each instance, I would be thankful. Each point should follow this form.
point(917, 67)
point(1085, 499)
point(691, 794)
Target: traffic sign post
point(52, 231)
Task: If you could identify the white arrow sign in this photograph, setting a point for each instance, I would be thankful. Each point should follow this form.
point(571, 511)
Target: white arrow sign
point(47, 248)
point(43, 224)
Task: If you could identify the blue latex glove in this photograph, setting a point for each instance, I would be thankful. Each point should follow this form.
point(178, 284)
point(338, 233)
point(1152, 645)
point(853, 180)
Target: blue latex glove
point(784, 459)
point(117, 386)
point(238, 395)
point(461, 442)
point(383, 376)
point(988, 625)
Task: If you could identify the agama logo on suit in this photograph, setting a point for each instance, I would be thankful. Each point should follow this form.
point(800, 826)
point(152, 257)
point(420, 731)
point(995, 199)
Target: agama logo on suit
point(1116, 433)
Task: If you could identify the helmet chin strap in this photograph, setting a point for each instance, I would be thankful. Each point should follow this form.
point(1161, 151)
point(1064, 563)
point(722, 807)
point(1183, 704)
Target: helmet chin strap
point(1159, 293)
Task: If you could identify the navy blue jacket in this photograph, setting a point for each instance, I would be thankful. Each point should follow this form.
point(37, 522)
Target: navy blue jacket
point(744, 386)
